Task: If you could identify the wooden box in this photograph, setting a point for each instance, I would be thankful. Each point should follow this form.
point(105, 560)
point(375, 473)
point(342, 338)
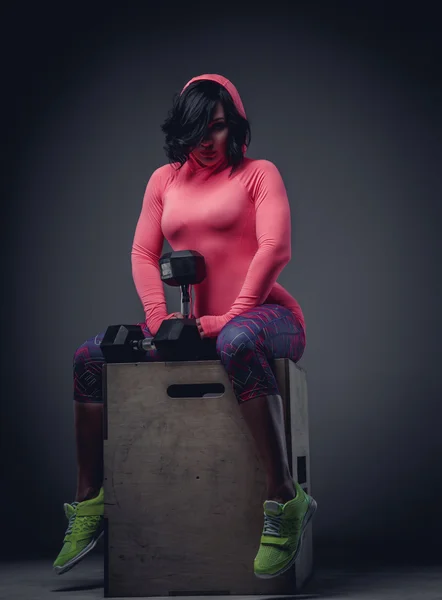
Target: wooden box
point(184, 486)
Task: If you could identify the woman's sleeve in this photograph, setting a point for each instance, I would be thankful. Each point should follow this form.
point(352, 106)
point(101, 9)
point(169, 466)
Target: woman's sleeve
point(146, 251)
point(273, 234)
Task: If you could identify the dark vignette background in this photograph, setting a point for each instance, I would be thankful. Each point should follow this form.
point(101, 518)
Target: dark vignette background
point(346, 101)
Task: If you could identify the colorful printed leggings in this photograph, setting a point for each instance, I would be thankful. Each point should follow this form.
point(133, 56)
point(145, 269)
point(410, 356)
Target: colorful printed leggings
point(246, 347)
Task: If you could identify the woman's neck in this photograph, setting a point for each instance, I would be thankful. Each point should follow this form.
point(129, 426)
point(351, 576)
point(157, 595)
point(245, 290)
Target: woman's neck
point(197, 165)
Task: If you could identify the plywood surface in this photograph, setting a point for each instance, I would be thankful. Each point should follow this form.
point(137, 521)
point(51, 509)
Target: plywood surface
point(184, 487)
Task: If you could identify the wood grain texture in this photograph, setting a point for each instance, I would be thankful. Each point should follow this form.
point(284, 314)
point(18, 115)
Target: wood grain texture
point(184, 486)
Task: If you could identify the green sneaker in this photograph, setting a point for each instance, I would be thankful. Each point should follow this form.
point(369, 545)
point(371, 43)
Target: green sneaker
point(283, 534)
point(86, 522)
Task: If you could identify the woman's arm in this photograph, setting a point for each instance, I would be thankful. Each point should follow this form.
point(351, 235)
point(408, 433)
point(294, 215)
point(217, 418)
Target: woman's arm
point(273, 234)
point(146, 251)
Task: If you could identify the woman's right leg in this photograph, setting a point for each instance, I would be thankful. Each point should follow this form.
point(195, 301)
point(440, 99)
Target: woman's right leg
point(88, 413)
point(85, 514)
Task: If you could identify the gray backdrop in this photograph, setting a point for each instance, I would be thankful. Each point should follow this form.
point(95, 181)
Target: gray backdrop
point(347, 105)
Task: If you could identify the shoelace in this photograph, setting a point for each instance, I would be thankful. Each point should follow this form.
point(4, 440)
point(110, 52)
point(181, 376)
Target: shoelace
point(272, 525)
point(71, 519)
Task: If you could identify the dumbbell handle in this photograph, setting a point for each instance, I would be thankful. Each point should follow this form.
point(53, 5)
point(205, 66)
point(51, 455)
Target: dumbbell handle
point(144, 345)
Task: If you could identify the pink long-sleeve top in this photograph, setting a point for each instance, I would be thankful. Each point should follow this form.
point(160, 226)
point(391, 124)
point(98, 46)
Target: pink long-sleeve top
point(240, 223)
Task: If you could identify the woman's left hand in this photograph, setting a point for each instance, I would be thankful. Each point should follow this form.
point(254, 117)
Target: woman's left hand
point(200, 329)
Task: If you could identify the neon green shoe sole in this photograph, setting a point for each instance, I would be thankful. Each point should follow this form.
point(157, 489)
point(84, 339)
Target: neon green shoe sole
point(283, 534)
point(86, 522)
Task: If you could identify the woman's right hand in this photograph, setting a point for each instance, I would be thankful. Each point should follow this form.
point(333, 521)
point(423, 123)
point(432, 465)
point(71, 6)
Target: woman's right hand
point(175, 315)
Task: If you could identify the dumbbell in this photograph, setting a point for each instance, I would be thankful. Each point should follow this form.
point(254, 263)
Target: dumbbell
point(176, 339)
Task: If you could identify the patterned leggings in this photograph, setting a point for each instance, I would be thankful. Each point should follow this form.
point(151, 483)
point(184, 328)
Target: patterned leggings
point(246, 347)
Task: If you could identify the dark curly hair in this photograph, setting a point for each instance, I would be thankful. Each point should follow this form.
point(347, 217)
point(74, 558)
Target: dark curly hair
point(190, 115)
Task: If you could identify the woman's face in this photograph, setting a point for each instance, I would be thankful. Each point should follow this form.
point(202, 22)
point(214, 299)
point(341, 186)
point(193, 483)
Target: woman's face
point(213, 146)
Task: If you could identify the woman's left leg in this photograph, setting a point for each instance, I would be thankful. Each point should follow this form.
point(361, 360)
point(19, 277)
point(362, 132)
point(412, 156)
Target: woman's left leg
point(246, 346)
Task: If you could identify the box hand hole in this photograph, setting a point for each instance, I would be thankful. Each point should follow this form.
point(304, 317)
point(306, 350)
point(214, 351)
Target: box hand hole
point(196, 390)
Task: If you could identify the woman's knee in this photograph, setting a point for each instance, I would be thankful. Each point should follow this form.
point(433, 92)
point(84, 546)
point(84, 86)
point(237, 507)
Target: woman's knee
point(88, 364)
point(232, 341)
point(89, 350)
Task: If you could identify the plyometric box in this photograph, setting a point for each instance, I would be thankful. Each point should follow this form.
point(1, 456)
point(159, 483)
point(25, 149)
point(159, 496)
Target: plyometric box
point(184, 486)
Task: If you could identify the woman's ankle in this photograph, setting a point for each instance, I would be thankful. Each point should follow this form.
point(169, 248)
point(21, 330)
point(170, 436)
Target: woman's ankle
point(87, 493)
point(282, 493)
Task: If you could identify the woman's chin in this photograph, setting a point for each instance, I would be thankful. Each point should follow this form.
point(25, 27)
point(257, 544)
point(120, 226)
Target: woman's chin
point(205, 160)
point(209, 157)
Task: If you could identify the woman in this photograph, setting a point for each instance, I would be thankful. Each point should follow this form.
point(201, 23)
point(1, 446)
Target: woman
point(235, 212)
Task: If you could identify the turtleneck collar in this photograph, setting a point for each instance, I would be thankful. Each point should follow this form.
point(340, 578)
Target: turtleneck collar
point(196, 167)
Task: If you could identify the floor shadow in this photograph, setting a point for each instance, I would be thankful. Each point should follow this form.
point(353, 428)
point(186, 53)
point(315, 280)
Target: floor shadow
point(75, 587)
